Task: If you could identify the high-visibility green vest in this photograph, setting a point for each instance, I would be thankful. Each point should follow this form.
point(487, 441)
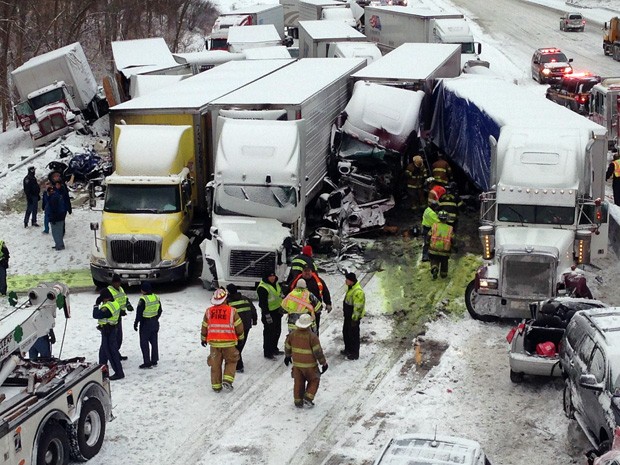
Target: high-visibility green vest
point(119, 296)
point(274, 295)
point(241, 305)
point(429, 218)
point(1, 251)
point(115, 309)
point(151, 305)
point(356, 298)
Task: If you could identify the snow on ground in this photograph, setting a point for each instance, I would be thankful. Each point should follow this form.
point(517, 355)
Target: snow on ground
point(169, 414)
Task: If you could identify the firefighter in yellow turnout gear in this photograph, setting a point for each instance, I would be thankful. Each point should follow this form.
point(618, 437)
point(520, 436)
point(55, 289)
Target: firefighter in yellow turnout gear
point(441, 237)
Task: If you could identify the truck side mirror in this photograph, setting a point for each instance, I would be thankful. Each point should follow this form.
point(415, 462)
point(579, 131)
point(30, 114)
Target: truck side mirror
point(94, 226)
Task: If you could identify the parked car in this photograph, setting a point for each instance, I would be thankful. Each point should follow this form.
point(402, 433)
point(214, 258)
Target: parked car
point(571, 21)
point(573, 91)
point(534, 343)
point(428, 449)
point(590, 360)
point(550, 64)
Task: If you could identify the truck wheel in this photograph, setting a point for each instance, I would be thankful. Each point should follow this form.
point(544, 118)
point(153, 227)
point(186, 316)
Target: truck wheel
point(567, 400)
point(53, 445)
point(90, 429)
point(516, 377)
point(470, 302)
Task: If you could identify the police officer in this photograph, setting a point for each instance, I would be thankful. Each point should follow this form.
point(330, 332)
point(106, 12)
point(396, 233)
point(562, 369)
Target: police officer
point(32, 190)
point(299, 263)
point(108, 312)
point(451, 203)
point(270, 300)
point(247, 312)
point(354, 309)
point(441, 237)
point(147, 317)
point(119, 295)
point(613, 170)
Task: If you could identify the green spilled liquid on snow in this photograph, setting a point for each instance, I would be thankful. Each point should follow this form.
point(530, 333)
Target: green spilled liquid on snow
point(411, 294)
point(73, 278)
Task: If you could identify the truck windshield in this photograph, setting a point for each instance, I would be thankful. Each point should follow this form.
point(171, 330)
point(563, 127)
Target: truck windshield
point(468, 48)
point(142, 199)
point(42, 100)
point(271, 196)
point(536, 214)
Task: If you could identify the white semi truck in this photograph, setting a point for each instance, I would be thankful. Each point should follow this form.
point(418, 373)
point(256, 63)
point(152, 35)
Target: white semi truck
point(318, 39)
point(272, 153)
point(392, 26)
point(50, 409)
point(250, 15)
point(605, 106)
point(58, 93)
point(541, 168)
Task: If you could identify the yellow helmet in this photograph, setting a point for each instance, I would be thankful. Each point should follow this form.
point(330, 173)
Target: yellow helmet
point(417, 161)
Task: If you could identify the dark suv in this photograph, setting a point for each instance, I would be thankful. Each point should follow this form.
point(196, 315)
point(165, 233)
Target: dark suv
point(573, 91)
point(590, 360)
point(550, 64)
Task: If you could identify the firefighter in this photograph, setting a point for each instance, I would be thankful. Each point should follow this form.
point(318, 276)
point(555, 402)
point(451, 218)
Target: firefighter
point(435, 193)
point(298, 302)
point(247, 312)
point(147, 317)
point(451, 203)
point(119, 295)
point(613, 171)
point(319, 289)
point(441, 171)
point(221, 330)
point(354, 309)
point(303, 348)
point(441, 237)
point(108, 312)
point(429, 218)
point(270, 301)
point(299, 263)
point(416, 174)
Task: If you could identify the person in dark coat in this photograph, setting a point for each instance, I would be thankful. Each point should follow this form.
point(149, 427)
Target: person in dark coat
point(55, 177)
point(4, 265)
point(270, 303)
point(57, 214)
point(298, 264)
point(107, 313)
point(32, 190)
point(147, 318)
point(318, 288)
point(45, 199)
point(247, 312)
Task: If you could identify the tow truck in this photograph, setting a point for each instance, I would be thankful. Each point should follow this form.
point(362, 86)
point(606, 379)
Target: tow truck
point(50, 409)
point(573, 91)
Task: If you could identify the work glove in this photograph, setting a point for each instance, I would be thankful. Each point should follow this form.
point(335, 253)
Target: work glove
point(287, 360)
point(123, 313)
point(324, 368)
point(204, 343)
point(135, 326)
point(268, 319)
point(328, 308)
point(129, 307)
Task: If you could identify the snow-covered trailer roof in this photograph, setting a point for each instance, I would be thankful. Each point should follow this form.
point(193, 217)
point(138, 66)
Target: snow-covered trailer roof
point(293, 84)
point(143, 84)
point(253, 34)
point(330, 30)
point(424, 11)
point(251, 9)
point(267, 53)
point(132, 55)
point(414, 62)
point(194, 93)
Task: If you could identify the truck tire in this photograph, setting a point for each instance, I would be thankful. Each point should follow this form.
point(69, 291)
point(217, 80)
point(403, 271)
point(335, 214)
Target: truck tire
point(88, 433)
point(470, 302)
point(53, 446)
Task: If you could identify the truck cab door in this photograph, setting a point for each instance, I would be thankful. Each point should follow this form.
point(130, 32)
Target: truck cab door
point(24, 114)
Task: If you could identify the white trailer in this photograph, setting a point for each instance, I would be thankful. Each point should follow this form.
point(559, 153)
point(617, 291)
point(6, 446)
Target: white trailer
point(248, 37)
point(50, 409)
point(271, 156)
point(317, 37)
point(250, 15)
point(393, 26)
point(312, 10)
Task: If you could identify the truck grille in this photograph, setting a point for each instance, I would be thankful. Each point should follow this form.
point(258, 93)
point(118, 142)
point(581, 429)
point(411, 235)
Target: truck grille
point(251, 263)
point(528, 276)
point(134, 252)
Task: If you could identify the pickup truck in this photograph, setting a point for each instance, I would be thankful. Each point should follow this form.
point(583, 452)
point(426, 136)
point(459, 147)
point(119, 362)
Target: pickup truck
point(573, 91)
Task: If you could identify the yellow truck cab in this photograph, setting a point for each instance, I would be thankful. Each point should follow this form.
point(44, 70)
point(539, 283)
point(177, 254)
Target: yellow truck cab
point(148, 206)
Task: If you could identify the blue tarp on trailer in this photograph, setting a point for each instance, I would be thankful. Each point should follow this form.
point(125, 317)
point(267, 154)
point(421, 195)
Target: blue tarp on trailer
point(461, 130)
